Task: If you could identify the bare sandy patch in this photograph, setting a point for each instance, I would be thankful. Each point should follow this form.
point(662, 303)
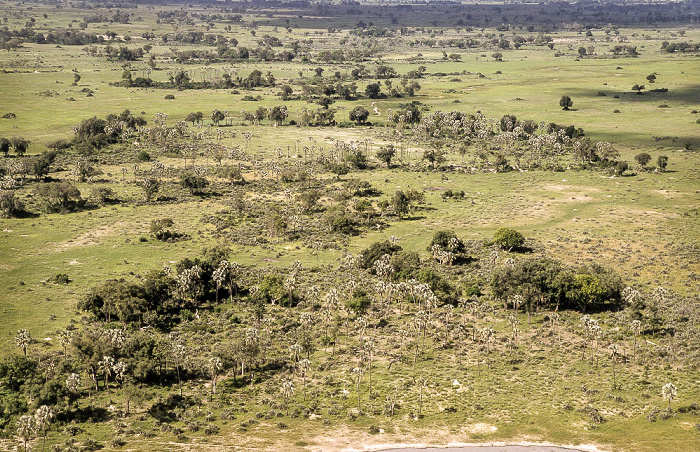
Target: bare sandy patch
point(93, 236)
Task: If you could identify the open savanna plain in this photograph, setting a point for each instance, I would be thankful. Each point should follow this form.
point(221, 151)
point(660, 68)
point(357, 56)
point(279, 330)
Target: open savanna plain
point(360, 301)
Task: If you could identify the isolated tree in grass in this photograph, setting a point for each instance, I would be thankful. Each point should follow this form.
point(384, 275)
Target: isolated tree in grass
point(662, 162)
point(23, 339)
point(5, 146)
point(194, 117)
point(400, 203)
point(566, 103)
point(195, 184)
point(217, 116)
point(435, 156)
point(150, 186)
point(507, 239)
point(359, 115)
point(668, 391)
point(385, 154)
point(373, 90)
point(638, 88)
point(651, 78)
point(26, 426)
point(642, 158)
point(10, 205)
point(43, 417)
point(20, 145)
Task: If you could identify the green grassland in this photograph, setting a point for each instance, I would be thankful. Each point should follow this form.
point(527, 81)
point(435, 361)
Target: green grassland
point(645, 227)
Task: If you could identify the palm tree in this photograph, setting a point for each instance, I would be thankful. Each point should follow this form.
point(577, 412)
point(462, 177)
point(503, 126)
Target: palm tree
point(422, 384)
point(214, 367)
point(73, 383)
point(358, 373)
point(26, 426)
point(42, 420)
point(287, 390)
point(614, 350)
point(304, 366)
point(669, 393)
point(65, 337)
point(106, 366)
point(636, 330)
point(23, 339)
point(295, 350)
point(178, 355)
point(369, 348)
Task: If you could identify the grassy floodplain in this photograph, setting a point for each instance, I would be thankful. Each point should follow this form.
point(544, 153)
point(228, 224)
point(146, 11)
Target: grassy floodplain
point(454, 368)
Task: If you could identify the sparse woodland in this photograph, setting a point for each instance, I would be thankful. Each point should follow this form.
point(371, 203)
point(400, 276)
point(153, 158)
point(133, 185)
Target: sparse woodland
point(277, 228)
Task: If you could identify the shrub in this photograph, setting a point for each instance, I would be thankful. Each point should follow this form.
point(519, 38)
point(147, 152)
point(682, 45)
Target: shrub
point(447, 241)
point(508, 239)
point(195, 184)
point(57, 196)
point(359, 303)
point(10, 205)
point(143, 156)
point(376, 251)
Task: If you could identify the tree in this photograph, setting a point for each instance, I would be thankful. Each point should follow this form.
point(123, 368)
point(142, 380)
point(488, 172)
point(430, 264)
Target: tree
point(5, 146)
point(10, 205)
point(42, 419)
point(434, 156)
point(642, 158)
point(179, 353)
point(150, 187)
point(359, 115)
point(217, 116)
point(638, 88)
point(373, 91)
point(20, 145)
point(287, 390)
point(507, 239)
point(195, 184)
point(23, 339)
point(194, 117)
point(358, 373)
point(669, 393)
point(651, 78)
point(26, 426)
point(447, 241)
point(106, 368)
point(286, 92)
point(565, 103)
point(400, 203)
point(582, 51)
point(57, 196)
point(662, 162)
point(214, 367)
point(385, 154)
